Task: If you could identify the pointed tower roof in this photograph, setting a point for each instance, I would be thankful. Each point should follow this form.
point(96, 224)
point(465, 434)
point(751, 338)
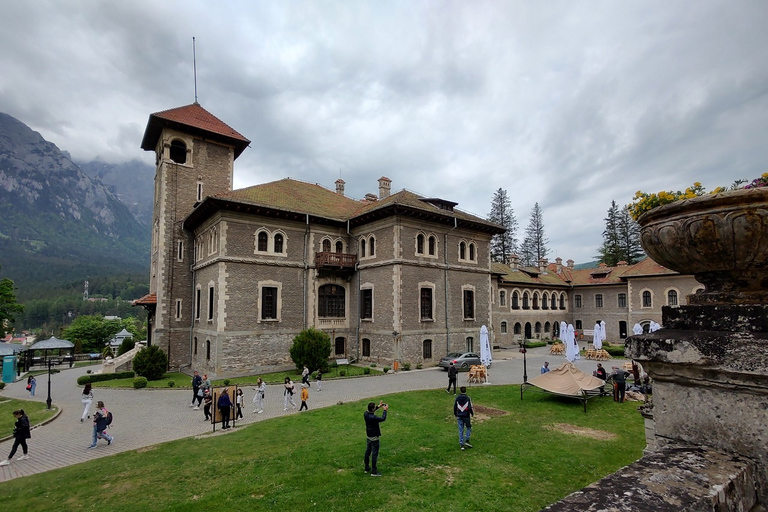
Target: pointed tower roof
point(193, 119)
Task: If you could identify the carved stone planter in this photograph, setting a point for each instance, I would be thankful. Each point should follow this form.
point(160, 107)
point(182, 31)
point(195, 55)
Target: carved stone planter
point(722, 239)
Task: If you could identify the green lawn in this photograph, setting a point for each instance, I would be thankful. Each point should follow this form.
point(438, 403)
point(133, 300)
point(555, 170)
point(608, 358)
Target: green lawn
point(523, 460)
point(36, 411)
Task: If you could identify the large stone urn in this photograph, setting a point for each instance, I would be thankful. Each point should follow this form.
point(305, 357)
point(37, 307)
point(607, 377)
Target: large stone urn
point(722, 239)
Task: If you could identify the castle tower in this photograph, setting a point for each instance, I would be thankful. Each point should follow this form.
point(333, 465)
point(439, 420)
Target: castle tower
point(194, 155)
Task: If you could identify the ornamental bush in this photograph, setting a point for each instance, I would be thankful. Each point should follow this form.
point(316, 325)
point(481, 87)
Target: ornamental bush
point(150, 362)
point(98, 377)
point(126, 346)
point(139, 382)
point(311, 348)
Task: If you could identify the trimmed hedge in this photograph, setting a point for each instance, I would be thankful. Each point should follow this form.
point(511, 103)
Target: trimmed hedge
point(615, 350)
point(139, 382)
point(98, 377)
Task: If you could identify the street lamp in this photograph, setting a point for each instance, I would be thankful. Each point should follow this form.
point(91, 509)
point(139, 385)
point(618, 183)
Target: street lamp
point(50, 371)
point(525, 361)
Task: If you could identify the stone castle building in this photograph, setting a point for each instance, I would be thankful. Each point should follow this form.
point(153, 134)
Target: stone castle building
point(236, 274)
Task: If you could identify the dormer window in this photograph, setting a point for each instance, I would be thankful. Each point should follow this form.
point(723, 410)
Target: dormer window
point(178, 152)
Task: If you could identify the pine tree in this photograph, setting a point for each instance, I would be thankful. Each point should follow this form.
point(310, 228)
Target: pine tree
point(629, 238)
point(504, 244)
point(9, 307)
point(534, 246)
point(609, 251)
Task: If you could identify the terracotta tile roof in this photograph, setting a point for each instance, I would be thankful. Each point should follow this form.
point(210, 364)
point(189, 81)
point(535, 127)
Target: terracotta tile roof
point(647, 267)
point(296, 196)
point(148, 300)
point(527, 276)
point(191, 116)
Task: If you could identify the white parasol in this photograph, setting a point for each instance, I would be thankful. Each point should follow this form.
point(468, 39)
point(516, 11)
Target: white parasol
point(485, 347)
point(654, 327)
point(597, 337)
point(568, 339)
point(602, 331)
point(574, 342)
point(637, 329)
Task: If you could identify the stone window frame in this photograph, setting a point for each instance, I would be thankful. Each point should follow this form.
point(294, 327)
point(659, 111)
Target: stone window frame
point(518, 328)
point(199, 191)
point(535, 300)
point(502, 298)
point(426, 349)
point(207, 350)
point(180, 251)
point(332, 242)
point(621, 297)
point(578, 301)
point(423, 238)
point(367, 287)
point(178, 310)
point(578, 325)
point(469, 343)
point(503, 327)
point(464, 289)
point(270, 242)
point(677, 296)
point(526, 300)
point(366, 349)
point(599, 300)
point(467, 251)
point(211, 300)
point(188, 144)
point(547, 327)
point(553, 301)
point(367, 244)
point(430, 286)
point(642, 298)
point(563, 299)
point(198, 301)
point(278, 303)
point(537, 328)
point(514, 301)
point(545, 300)
point(346, 301)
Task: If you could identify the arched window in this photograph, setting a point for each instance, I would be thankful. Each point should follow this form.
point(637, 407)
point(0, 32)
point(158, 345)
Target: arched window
point(471, 252)
point(547, 327)
point(535, 300)
point(553, 304)
point(362, 248)
point(426, 349)
point(372, 246)
point(515, 300)
point(366, 347)
point(420, 244)
point(178, 151)
point(331, 301)
point(545, 301)
point(503, 327)
point(432, 247)
point(647, 299)
point(502, 298)
point(537, 328)
point(518, 328)
point(326, 245)
point(462, 251)
point(672, 298)
point(562, 301)
point(339, 247)
point(526, 301)
point(279, 243)
point(262, 241)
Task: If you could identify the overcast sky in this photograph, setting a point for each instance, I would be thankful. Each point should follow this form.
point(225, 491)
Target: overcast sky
point(570, 104)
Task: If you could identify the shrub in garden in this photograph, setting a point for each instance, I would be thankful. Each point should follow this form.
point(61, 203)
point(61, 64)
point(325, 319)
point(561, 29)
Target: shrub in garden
point(126, 346)
point(385, 369)
point(171, 383)
point(342, 373)
point(366, 370)
point(2, 385)
point(226, 382)
point(373, 365)
point(99, 377)
point(139, 382)
point(406, 367)
point(419, 366)
point(311, 348)
point(150, 362)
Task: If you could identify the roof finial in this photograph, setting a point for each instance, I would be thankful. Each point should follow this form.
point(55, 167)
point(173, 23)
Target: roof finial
point(194, 65)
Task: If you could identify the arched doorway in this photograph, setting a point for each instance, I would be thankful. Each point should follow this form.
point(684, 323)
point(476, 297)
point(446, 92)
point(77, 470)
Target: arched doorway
point(528, 332)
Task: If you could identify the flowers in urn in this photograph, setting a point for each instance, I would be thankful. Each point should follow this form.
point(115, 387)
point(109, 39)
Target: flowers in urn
point(644, 202)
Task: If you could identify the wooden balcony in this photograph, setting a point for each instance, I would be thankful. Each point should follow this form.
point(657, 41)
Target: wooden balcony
point(335, 261)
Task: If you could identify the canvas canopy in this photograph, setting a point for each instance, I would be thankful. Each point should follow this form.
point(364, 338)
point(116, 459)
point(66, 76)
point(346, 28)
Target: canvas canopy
point(566, 380)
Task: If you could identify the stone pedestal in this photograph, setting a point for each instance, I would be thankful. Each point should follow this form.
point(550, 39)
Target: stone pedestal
point(710, 370)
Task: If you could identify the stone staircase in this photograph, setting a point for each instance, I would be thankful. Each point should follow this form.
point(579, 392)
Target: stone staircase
point(123, 361)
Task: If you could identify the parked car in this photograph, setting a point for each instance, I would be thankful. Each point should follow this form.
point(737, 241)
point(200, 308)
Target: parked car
point(460, 360)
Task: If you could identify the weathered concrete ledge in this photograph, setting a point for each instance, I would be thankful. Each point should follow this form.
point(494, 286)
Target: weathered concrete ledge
point(675, 478)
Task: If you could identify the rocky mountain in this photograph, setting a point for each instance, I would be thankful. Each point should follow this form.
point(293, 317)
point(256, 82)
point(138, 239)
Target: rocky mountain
point(131, 182)
point(57, 223)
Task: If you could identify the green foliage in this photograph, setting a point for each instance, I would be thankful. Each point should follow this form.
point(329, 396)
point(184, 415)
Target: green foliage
point(615, 350)
point(9, 307)
point(150, 362)
point(126, 346)
point(139, 382)
point(502, 213)
point(419, 366)
point(366, 370)
point(2, 385)
point(621, 238)
point(406, 367)
point(100, 377)
point(373, 365)
point(535, 344)
point(171, 383)
point(342, 373)
point(226, 382)
point(311, 348)
point(93, 332)
point(385, 369)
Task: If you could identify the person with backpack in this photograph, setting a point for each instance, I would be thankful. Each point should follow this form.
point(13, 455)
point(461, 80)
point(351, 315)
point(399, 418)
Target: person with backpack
point(197, 395)
point(462, 409)
point(224, 405)
point(102, 418)
point(31, 385)
point(20, 436)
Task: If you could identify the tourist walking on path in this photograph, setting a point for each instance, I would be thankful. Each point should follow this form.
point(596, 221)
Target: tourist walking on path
point(452, 374)
point(207, 407)
point(239, 403)
point(224, 404)
point(101, 420)
point(205, 385)
point(87, 400)
point(304, 397)
point(20, 436)
point(373, 436)
point(258, 398)
point(462, 409)
point(31, 385)
point(319, 379)
point(305, 376)
point(288, 394)
point(197, 395)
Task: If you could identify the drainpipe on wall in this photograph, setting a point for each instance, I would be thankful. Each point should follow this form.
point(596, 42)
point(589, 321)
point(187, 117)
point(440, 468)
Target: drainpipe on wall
point(445, 287)
point(306, 272)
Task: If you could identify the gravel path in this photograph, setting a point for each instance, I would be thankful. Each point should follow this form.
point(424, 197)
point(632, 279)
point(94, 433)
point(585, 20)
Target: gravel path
point(65, 440)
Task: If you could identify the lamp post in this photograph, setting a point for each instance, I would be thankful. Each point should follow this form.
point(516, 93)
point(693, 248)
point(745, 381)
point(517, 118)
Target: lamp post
point(48, 400)
point(525, 361)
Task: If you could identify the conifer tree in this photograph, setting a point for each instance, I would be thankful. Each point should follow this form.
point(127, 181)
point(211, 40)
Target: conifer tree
point(609, 250)
point(621, 238)
point(9, 307)
point(504, 244)
point(534, 246)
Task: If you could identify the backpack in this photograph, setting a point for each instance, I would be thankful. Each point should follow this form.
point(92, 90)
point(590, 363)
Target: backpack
point(109, 418)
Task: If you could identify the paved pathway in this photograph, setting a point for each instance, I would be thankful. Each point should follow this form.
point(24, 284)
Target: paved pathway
point(64, 441)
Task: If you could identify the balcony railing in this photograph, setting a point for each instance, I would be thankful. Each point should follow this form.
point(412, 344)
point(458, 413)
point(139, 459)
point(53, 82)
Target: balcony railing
point(335, 260)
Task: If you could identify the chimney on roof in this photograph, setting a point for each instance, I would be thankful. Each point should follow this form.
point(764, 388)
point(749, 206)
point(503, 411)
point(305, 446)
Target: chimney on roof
point(622, 263)
point(570, 264)
point(559, 262)
point(340, 186)
point(513, 261)
point(384, 186)
point(371, 197)
point(543, 262)
point(602, 265)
